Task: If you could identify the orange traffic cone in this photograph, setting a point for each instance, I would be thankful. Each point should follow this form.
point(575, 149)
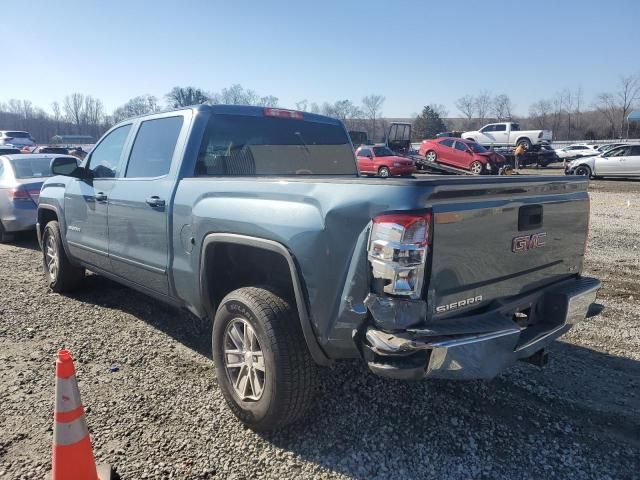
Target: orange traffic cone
point(72, 453)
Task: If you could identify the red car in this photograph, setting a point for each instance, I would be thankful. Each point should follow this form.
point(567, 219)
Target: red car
point(381, 160)
point(461, 153)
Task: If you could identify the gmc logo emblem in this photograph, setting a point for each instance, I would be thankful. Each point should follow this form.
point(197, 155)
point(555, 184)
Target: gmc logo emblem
point(528, 242)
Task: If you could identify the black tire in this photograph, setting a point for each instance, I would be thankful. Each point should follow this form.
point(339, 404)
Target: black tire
point(525, 142)
point(384, 172)
point(476, 167)
point(5, 236)
point(431, 156)
point(289, 375)
point(65, 277)
point(583, 170)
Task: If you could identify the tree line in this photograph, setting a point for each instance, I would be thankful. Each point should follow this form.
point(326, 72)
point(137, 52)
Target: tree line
point(566, 113)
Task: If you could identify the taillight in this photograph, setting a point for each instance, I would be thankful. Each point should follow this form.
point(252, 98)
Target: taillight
point(282, 113)
point(398, 249)
point(20, 196)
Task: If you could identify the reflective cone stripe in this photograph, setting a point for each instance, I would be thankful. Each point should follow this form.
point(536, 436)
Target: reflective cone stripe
point(72, 453)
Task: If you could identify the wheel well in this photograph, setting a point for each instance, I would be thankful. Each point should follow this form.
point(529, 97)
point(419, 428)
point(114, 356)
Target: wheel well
point(45, 216)
point(231, 266)
point(523, 138)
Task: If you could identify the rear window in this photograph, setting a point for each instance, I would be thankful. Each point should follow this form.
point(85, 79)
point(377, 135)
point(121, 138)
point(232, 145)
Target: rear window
point(250, 145)
point(32, 167)
point(18, 134)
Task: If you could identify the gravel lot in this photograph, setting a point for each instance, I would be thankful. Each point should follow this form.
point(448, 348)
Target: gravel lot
point(161, 414)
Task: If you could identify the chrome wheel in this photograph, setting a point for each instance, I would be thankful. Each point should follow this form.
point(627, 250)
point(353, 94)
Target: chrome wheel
point(244, 360)
point(384, 172)
point(476, 168)
point(431, 156)
point(51, 257)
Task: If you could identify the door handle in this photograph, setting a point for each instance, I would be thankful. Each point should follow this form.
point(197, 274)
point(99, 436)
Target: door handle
point(100, 197)
point(155, 201)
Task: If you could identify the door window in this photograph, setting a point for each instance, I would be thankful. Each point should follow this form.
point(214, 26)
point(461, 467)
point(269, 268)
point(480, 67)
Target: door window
point(635, 151)
point(488, 128)
point(153, 148)
point(447, 143)
point(500, 128)
point(461, 146)
point(105, 158)
point(365, 152)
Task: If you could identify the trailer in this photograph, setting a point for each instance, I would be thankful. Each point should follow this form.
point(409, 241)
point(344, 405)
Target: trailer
point(434, 167)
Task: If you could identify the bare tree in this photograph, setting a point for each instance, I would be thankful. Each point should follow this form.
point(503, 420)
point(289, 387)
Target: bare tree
point(74, 109)
point(302, 105)
point(608, 107)
point(502, 108)
point(185, 96)
point(371, 106)
point(627, 95)
point(268, 101)
point(539, 113)
point(140, 105)
point(314, 107)
point(440, 109)
point(482, 105)
point(466, 106)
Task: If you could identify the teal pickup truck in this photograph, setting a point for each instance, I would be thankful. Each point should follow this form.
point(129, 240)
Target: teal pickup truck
point(257, 219)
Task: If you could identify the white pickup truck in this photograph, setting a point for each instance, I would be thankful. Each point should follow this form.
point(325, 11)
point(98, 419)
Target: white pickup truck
point(508, 134)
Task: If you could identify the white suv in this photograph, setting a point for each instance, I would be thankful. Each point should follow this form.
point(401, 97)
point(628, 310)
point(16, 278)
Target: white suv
point(16, 138)
point(576, 150)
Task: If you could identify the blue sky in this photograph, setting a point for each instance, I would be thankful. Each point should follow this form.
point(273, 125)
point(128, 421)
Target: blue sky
point(412, 52)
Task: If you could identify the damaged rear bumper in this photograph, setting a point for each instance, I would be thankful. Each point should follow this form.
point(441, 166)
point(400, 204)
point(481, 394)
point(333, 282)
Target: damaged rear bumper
point(497, 340)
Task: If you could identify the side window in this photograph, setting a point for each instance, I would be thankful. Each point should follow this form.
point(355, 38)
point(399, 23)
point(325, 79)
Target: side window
point(500, 128)
point(153, 147)
point(364, 152)
point(461, 146)
point(514, 127)
point(488, 128)
point(447, 143)
point(106, 156)
point(635, 151)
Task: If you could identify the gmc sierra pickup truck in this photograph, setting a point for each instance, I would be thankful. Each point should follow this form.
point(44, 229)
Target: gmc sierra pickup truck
point(508, 134)
point(257, 219)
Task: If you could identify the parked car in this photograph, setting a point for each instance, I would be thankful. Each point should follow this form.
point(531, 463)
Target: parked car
point(621, 161)
point(382, 161)
point(50, 149)
point(21, 177)
point(16, 138)
point(460, 153)
point(508, 134)
point(256, 218)
point(8, 150)
point(576, 150)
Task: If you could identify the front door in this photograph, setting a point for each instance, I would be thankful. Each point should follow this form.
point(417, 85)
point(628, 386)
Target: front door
point(365, 161)
point(461, 155)
point(86, 201)
point(139, 205)
point(614, 163)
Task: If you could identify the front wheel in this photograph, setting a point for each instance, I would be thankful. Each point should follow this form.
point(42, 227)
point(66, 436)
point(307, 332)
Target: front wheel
point(583, 170)
point(61, 275)
point(384, 172)
point(263, 366)
point(431, 156)
point(476, 167)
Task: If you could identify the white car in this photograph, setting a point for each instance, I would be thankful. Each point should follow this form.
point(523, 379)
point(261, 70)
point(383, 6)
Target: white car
point(576, 150)
point(618, 162)
point(16, 138)
point(508, 134)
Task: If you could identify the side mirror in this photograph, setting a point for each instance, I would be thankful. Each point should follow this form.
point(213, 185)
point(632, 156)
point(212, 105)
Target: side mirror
point(67, 166)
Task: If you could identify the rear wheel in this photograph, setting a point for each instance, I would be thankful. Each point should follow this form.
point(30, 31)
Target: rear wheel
point(384, 172)
point(61, 275)
point(525, 142)
point(583, 170)
point(431, 156)
point(263, 365)
point(4, 235)
point(476, 167)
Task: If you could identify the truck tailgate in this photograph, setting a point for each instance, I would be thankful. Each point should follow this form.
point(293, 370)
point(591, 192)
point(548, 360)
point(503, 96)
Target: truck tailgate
point(503, 240)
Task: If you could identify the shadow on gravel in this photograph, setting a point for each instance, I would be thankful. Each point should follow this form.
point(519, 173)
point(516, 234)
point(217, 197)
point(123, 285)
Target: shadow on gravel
point(27, 240)
point(517, 425)
point(177, 323)
point(582, 411)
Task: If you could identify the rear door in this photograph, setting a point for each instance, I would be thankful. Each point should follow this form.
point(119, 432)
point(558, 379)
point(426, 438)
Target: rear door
point(445, 151)
point(461, 155)
point(139, 203)
point(365, 162)
point(85, 201)
point(633, 160)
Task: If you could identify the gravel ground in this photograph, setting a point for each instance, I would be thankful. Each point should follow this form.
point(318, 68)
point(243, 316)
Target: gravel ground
point(155, 410)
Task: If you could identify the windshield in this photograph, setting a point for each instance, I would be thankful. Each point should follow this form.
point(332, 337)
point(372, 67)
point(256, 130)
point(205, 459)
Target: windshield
point(383, 152)
point(32, 167)
point(476, 147)
point(257, 145)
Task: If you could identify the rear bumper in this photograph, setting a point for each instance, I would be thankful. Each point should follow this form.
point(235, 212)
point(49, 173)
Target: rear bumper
point(20, 219)
point(415, 354)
